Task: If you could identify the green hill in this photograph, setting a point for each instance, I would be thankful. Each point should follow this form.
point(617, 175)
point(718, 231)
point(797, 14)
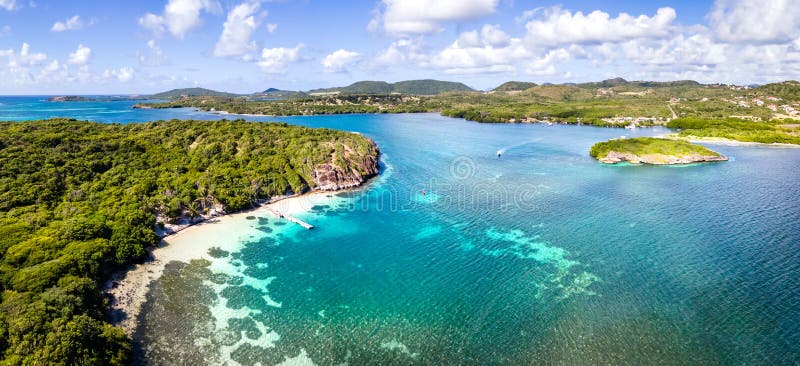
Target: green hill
point(428, 87)
point(192, 92)
point(414, 87)
point(514, 86)
point(789, 90)
point(610, 83)
point(273, 93)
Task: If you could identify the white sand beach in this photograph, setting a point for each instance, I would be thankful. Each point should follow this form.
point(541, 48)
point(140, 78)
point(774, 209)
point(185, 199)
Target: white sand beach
point(129, 289)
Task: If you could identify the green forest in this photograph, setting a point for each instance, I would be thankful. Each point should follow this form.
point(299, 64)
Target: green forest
point(79, 200)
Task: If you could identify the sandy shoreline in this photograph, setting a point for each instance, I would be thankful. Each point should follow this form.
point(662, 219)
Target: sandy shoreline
point(128, 290)
point(728, 142)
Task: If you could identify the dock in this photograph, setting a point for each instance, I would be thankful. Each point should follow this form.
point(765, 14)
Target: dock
point(291, 218)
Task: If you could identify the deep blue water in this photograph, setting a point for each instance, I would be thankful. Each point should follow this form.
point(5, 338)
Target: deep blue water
point(540, 256)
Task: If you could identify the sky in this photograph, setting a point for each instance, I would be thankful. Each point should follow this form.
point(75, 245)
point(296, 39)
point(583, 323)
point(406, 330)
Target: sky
point(243, 46)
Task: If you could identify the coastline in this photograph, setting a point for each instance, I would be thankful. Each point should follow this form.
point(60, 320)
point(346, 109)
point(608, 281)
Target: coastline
point(726, 142)
point(127, 290)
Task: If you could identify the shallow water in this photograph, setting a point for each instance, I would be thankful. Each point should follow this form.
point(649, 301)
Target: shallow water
point(540, 256)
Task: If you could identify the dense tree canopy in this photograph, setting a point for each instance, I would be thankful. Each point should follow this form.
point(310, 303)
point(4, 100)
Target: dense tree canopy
point(79, 199)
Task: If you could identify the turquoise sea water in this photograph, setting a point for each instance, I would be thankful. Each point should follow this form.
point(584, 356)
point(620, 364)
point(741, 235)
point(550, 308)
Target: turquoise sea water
point(540, 256)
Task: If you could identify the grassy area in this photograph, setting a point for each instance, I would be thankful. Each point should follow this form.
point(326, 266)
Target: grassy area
point(738, 129)
point(641, 146)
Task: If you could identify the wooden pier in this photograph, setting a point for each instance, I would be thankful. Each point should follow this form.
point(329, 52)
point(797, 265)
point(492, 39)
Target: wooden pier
point(291, 218)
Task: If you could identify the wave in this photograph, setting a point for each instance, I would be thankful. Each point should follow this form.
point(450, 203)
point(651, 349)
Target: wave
point(512, 147)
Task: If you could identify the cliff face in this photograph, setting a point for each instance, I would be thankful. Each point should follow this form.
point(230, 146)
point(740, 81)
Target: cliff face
point(346, 169)
point(614, 157)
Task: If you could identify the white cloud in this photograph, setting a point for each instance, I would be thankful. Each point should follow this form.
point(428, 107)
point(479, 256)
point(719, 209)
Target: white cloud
point(69, 24)
point(154, 55)
point(277, 60)
point(122, 74)
point(425, 16)
point(24, 58)
point(51, 67)
point(339, 60)
point(763, 21)
point(546, 65)
point(235, 38)
point(493, 36)
point(5, 30)
point(179, 16)
point(401, 51)
point(490, 51)
point(697, 49)
point(271, 28)
point(80, 56)
point(556, 26)
point(152, 22)
point(8, 5)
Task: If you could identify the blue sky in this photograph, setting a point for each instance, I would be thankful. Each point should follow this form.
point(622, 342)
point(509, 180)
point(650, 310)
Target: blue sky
point(88, 47)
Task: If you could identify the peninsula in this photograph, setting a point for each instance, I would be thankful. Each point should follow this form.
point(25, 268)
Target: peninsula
point(82, 200)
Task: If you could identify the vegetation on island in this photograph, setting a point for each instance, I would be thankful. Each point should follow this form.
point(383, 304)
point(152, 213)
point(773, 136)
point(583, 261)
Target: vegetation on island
point(79, 200)
point(787, 132)
point(652, 150)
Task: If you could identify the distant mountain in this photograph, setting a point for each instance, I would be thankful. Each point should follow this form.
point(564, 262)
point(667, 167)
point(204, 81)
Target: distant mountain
point(514, 86)
point(192, 92)
point(275, 93)
point(363, 87)
point(415, 87)
point(428, 87)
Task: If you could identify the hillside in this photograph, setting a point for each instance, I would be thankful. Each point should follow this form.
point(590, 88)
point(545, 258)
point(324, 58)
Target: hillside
point(514, 86)
point(428, 87)
point(81, 199)
point(620, 82)
point(192, 92)
point(412, 87)
point(787, 90)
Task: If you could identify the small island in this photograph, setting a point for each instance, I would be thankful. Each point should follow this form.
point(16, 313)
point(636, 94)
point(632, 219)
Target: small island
point(70, 98)
point(651, 150)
